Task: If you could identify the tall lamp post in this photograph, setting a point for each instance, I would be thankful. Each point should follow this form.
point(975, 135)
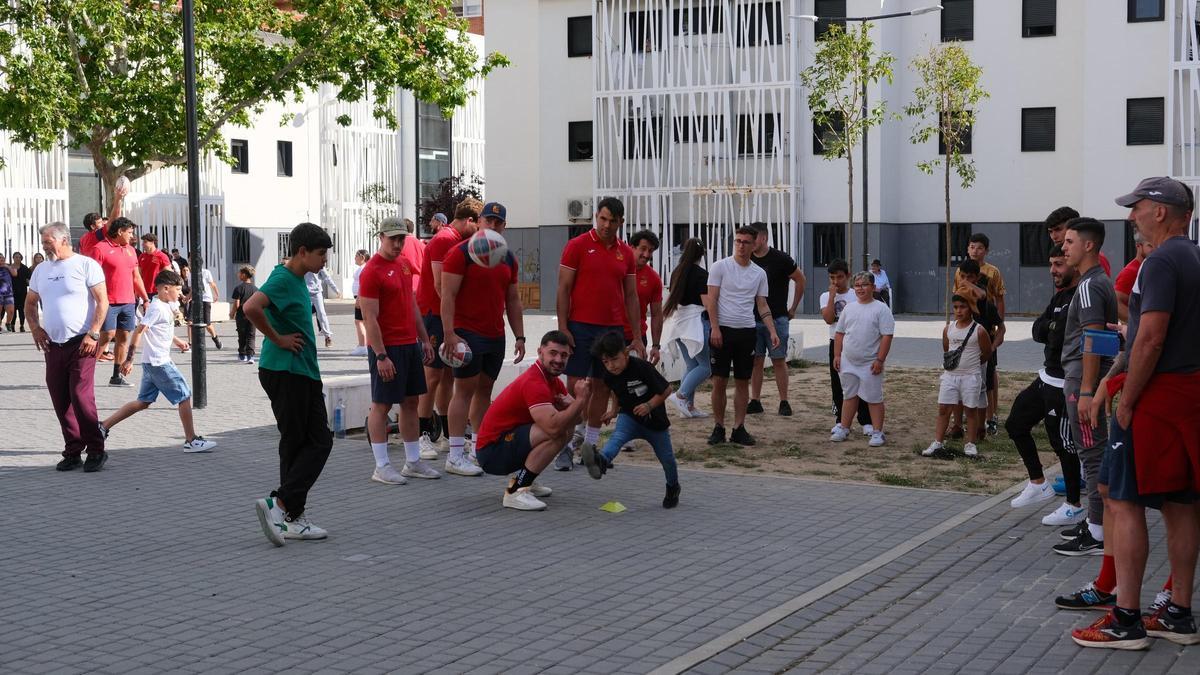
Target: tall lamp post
point(199, 368)
point(867, 133)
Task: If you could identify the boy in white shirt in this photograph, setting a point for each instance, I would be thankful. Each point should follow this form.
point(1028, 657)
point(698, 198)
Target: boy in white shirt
point(962, 384)
point(862, 340)
point(159, 374)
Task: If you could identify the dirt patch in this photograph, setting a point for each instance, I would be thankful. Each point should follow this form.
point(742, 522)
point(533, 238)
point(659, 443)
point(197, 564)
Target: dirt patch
point(799, 445)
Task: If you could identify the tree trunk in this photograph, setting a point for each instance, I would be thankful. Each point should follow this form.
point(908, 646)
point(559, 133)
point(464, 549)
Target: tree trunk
point(949, 239)
point(850, 203)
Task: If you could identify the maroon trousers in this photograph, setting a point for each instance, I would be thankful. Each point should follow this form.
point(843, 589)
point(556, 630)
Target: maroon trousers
point(70, 379)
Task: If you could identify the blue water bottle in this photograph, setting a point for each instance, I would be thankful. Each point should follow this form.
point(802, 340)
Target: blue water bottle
point(339, 419)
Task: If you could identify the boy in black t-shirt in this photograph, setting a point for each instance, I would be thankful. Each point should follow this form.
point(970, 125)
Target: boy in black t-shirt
point(638, 393)
point(237, 299)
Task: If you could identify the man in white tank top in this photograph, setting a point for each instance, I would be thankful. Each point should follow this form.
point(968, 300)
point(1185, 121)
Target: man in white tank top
point(964, 384)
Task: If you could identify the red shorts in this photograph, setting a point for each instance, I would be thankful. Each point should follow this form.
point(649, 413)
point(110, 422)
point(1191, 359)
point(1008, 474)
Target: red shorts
point(1166, 436)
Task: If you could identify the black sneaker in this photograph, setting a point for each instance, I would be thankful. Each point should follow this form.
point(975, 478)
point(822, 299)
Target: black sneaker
point(1088, 597)
point(217, 341)
point(993, 427)
point(118, 381)
point(1084, 544)
point(672, 498)
point(754, 407)
point(785, 409)
point(69, 464)
point(1161, 624)
point(593, 460)
point(717, 436)
point(103, 430)
point(95, 461)
point(1073, 532)
point(741, 436)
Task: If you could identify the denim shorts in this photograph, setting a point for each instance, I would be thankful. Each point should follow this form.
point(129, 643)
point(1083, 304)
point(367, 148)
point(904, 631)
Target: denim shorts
point(120, 317)
point(762, 345)
point(166, 380)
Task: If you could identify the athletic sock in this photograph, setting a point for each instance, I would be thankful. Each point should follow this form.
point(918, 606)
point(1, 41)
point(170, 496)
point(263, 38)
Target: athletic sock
point(445, 425)
point(1097, 531)
point(591, 435)
point(524, 478)
point(1127, 617)
point(1178, 611)
point(456, 448)
point(425, 426)
point(1170, 581)
point(1107, 580)
point(116, 369)
point(380, 450)
point(412, 451)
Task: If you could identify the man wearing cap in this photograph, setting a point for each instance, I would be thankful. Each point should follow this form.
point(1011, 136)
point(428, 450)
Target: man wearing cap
point(118, 259)
point(429, 300)
point(474, 301)
point(1154, 457)
point(437, 222)
point(397, 346)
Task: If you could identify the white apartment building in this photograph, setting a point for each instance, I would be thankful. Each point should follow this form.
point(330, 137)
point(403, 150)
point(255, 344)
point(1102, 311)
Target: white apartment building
point(692, 112)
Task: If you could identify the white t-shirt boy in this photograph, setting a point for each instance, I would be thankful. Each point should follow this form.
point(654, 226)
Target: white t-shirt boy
point(740, 286)
point(863, 326)
point(159, 334)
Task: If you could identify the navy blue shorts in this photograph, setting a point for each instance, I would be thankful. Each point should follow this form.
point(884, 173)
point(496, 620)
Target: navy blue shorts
point(582, 363)
point(487, 355)
point(1118, 471)
point(409, 379)
point(507, 453)
point(120, 317)
point(433, 326)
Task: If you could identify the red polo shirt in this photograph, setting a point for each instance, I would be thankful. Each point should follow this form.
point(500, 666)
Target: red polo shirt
point(598, 296)
point(1124, 282)
point(149, 265)
point(390, 282)
point(511, 409)
point(435, 252)
point(649, 289)
point(479, 305)
point(118, 263)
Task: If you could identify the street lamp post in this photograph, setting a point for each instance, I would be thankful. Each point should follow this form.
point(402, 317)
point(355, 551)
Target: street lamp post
point(199, 368)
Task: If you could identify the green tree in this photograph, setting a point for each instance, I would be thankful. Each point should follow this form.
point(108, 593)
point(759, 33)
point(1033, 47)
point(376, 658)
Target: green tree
point(380, 201)
point(944, 106)
point(846, 63)
point(450, 191)
point(107, 74)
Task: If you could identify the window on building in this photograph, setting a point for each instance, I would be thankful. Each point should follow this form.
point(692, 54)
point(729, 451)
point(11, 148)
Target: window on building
point(759, 24)
point(1035, 245)
point(1037, 129)
point(643, 138)
point(1130, 246)
point(469, 9)
point(829, 243)
point(960, 234)
point(958, 20)
point(284, 243)
point(828, 8)
point(699, 129)
point(579, 141)
point(433, 149)
point(756, 134)
point(1038, 17)
point(579, 36)
point(283, 158)
point(644, 30)
point(239, 150)
point(240, 240)
point(964, 141)
point(1146, 10)
point(700, 19)
point(1144, 121)
point(824, 134)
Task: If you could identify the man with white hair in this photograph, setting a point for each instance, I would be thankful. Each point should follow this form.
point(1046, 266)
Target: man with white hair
point(74, 302)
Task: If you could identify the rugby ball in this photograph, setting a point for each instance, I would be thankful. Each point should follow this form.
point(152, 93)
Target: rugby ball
point(458, 359)
point(487, 248)
point(122, 185)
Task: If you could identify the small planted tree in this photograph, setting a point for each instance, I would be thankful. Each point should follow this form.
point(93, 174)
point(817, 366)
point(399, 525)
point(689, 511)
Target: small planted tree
point(380, 201)
point(944, 106)
point(846, 64)
point(450, 191)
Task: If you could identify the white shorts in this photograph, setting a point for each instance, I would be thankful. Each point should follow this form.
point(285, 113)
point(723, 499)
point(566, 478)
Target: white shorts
point(861, 382)
point(966, 389)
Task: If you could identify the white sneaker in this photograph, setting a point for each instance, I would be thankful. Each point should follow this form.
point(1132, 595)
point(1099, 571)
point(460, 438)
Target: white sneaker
point(681, 405)
point(839, 433)
point(971, 451)
point(877, 439)
point(419, 469)
point(428, 447)
point(539, 490)
point(868, 430)
point(360, 350)
point(199, 444)
point(932, 450)
point(1033, 494)
point(1066, 515)
point(463, 467)
point(270, 518)
point(697, 413)
point(523, 500)
point(388, 475)
point(302, 528)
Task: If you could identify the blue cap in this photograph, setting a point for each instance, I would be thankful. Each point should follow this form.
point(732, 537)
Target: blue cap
point(441, 217)
point(494, 210)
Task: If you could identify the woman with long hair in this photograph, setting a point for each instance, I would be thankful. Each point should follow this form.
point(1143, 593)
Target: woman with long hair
point(689, 324)
point(20, 275)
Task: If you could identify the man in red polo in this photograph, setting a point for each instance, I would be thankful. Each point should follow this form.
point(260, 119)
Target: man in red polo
point(649, 292)
point(120, 264)
point(151, 261)
point(597, 294)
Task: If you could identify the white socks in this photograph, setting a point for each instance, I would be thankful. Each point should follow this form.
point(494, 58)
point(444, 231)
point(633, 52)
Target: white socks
point(380, 450)
point(1097, 531)
point(412, 451)
point(591, 435)
point(456, 448)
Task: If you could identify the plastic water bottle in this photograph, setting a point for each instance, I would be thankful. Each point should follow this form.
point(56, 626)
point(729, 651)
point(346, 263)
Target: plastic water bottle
point(339, 419)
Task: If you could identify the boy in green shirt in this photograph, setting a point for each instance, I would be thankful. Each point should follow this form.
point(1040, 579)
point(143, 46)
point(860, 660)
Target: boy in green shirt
point(288, 371)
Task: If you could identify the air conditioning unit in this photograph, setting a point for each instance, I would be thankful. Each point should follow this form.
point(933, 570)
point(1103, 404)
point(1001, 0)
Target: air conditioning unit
point(579, 208)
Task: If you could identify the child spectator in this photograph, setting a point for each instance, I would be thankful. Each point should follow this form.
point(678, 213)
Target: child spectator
point(962, 377)
point(862, 340)
point(832, 302)
point(237, 299)
point(987, 314)
point(159, 374)
point(639, 392)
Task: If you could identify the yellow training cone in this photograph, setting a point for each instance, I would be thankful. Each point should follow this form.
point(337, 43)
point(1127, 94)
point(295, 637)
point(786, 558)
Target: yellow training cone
point(613, 507)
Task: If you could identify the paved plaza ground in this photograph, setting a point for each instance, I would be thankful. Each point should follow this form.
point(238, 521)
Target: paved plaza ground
point(157, 564)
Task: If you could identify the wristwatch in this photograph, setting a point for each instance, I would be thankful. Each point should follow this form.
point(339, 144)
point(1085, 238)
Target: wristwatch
point(520, 338)
point(94, 335)
point(381, 356)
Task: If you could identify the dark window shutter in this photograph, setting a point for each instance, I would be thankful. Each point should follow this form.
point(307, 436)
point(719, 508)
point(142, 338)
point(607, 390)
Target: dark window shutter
point(579, 141)
point(958, 20)
point(1038, 17)
point(1037, 129)
point(1144, 121)
point(829, 243)
point(579, 36)
point(828, 8)
point(960, 235)
point(1146, 10)
point(822, 132)
point(1035, 245)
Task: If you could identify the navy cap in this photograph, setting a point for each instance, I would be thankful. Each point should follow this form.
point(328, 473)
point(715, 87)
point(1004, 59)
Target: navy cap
point(1158, 189)
point(494, 210)
point(441, 217)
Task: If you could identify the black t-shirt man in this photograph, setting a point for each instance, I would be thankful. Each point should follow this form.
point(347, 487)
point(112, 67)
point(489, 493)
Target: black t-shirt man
point(635, 385)
point(242, 293)
point(779, 267)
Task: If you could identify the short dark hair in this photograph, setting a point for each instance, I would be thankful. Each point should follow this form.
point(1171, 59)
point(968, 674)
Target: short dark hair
point(246, 270)
point(644, 235)
point(759, 227)
point(746, 229)
point(89, 221)
point(614, 206)
point(1056, 251)
point(980, 238)
point(1059, 216)
point(1089, 228)
point(839, 265)
point(409, 225)
point(876, 262)
point(958, 298)
point(168, 278)
point(150, 237)
point(557, 337)
point(175, 251)
point(968, 266)
point(610, 344)
point(119, 224)
point(308, 236)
